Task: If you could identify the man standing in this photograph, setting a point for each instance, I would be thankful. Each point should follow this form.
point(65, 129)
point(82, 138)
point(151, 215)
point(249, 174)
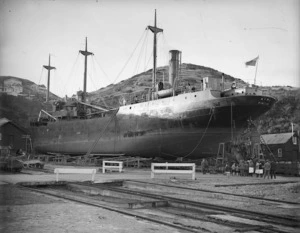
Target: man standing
point(242, 168)
point(273, 169)
point(233, 169)
point(204, 165)
point(267, 169)
point(227, 170)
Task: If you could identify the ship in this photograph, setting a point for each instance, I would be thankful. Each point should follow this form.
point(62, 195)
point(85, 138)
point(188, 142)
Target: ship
point(167, 122)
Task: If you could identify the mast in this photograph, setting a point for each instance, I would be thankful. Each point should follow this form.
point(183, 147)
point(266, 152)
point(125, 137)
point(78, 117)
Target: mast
point(155, 30)
point(48, 67)
point(85, 53)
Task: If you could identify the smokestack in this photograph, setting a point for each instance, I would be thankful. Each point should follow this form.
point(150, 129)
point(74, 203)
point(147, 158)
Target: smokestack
point(174, 63)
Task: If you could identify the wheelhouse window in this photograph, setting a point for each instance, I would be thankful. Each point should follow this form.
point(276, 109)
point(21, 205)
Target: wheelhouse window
point(280, 152)
point(295, 141)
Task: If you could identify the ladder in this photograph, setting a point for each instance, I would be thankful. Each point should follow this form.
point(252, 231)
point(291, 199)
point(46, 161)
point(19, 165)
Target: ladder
point(221, 154)
point(270, 152)
point(257, 152)
point(28, 143)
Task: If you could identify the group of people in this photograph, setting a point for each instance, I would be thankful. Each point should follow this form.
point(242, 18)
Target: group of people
point(252, 168)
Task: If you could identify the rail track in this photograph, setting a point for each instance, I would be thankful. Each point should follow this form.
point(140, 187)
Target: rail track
point(197, 191)
point(153, 202)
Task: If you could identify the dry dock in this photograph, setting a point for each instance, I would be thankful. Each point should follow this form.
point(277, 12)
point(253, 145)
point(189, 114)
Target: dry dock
point(24, 210)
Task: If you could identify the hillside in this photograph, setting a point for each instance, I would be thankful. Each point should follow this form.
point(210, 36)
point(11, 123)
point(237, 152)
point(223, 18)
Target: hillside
point(31, 90)
point(278, 119)
point(21, 109)
point(141, 83)
point(283, 113)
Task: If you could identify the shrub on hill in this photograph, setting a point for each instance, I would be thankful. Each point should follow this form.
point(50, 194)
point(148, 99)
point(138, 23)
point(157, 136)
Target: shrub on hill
point(283, 113)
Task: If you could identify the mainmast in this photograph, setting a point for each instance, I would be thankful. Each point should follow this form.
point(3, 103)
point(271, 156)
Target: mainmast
point(85, 54)
point(155, 30)
point(48, 67)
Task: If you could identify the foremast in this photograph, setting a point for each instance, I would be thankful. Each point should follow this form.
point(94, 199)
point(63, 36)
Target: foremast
point(49, 68)
point(155, 30)
point(85, 53)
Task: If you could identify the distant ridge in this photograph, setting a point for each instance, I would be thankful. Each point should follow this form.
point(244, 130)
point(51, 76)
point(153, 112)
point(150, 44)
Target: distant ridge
point(38, 92)
point(189, 73)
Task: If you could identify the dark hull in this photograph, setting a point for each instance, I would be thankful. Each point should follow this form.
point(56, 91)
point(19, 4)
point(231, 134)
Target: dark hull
point(190, 126)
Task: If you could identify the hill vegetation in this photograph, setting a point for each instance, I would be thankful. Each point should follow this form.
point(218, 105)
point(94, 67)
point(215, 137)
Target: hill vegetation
point(25, 107)
point(19, 109)
point(141, 83)
point(31, 90)
point(284, 112)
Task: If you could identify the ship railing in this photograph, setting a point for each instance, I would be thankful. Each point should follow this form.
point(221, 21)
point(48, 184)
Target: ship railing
point(48, 114)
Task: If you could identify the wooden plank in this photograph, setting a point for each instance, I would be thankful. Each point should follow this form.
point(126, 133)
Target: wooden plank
point(75, 170)
point(92, 171)
point(176, 171)
point(173, 164)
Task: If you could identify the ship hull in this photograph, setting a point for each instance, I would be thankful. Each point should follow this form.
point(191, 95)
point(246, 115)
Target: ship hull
point(186, 126)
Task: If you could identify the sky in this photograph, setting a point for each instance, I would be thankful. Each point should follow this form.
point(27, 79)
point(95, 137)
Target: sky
point(221, 34)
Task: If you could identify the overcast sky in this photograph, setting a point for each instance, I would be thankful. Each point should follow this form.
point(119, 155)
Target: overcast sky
point(221, 34)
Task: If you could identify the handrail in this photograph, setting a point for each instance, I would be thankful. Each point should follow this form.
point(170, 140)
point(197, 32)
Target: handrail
point(48, 114)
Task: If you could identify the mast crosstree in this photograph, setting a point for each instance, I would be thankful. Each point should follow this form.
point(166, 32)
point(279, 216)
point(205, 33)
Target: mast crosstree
point(49, 68)
point(85, 53)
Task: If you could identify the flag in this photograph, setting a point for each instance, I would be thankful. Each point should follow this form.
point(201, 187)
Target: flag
point(252, 62)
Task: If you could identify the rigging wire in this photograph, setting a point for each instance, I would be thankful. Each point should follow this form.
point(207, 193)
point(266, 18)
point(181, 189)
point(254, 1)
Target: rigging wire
point(151, 56)
point(212, 113)
point(72, 71)
point(171, 155)
point(100, 135)
point(97, 63)
point(100, 96)
point(57, 77)
point(41, 76)
point(146, 49)
point(162, 50)
point(40, 79)
point(140, 55)
point(91, 79)
point(92, 73)
point(129, 58)
point(166, 48)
